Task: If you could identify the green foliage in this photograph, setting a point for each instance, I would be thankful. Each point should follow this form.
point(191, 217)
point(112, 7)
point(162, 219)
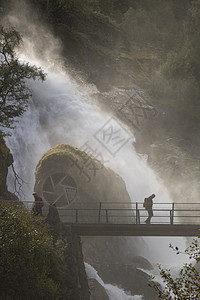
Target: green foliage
point(187, 285)
point(26, 251)
point(14, 93)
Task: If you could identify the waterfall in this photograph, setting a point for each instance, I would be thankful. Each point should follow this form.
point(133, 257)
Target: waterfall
point(113, 292)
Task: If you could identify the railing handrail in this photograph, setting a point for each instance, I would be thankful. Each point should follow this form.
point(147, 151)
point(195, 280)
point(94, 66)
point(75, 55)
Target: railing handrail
point(135, 212)
point(111, 202)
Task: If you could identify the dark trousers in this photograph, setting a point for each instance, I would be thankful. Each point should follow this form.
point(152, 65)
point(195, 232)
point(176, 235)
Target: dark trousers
point(150, 215)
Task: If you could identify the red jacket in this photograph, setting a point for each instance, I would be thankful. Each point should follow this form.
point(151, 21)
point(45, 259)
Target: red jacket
point(38, 201)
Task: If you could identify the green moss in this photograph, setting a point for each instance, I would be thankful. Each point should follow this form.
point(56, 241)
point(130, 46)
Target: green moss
point(57, 155)
point(65, 150)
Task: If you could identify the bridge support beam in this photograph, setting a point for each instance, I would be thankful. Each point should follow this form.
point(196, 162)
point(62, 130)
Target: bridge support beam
point(135, 230)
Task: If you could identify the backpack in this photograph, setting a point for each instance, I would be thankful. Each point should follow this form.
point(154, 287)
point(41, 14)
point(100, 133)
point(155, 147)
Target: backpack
point(145, 202)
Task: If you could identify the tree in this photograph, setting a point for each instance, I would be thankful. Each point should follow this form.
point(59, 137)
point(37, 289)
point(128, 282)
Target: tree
point(14, 92)
point(187, 285)
point(31, 265)
point(26, 251)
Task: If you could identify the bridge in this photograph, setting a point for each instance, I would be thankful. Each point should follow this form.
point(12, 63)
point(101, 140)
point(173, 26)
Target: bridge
point(123, 219)
point(128, 219)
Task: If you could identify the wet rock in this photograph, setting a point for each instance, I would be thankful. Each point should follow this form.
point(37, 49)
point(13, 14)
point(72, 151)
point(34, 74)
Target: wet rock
point(97, 290)
point(6, 159)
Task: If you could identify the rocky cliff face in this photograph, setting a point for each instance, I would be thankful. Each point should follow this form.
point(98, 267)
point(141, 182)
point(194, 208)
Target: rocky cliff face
point(6, 159)
point(71, 178)
point(97, 291)
point(71, 273)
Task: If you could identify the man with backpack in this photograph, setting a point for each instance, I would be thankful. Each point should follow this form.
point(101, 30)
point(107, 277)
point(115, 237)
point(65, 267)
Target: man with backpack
point(37, 206)
point(148, 203)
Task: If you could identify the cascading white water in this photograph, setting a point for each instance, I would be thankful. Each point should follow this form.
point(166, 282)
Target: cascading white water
point(113, 292)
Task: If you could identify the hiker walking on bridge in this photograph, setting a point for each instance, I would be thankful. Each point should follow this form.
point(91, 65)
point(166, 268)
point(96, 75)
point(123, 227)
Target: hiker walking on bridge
point(148, 203)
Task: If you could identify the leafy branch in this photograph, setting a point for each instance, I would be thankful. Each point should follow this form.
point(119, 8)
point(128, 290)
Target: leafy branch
point(187, 285)
point(14, 76)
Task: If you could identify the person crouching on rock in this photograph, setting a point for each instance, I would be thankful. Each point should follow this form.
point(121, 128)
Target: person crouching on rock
point(37, 206)
point(148, 203)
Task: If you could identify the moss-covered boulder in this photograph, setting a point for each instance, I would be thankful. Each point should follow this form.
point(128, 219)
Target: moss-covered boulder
point(71, 178)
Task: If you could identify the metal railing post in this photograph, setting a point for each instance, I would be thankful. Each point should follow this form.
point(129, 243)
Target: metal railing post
point(99, 217)
point(136, 207)
point(106, 216)
point(137, 214)
point(172, 215)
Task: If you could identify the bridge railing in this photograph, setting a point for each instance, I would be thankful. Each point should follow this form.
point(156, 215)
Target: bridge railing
point(163, 213)
point(127, 213)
